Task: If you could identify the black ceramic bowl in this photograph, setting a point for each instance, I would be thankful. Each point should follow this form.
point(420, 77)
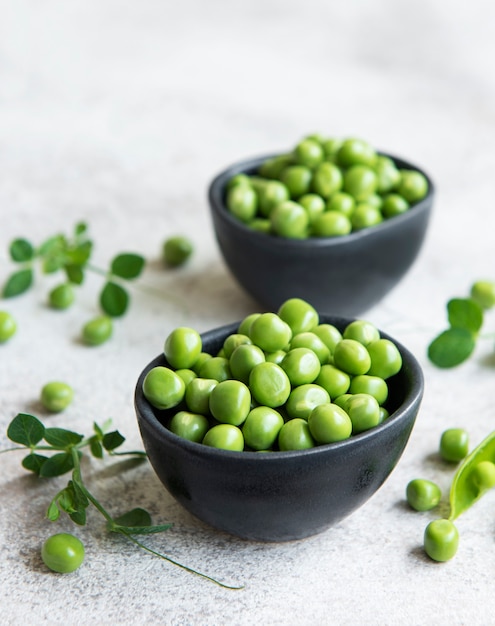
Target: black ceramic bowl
point(280, 496)
point(341, 275)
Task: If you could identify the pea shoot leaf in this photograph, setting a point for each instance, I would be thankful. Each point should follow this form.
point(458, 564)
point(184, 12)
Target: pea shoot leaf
point(127, 265)
point(114, 299)
point(135, 517)
point(96, 448)
point(451, 347)
point(53, 512)
point(18, 283)
point(465, 313)
point(74, 273)
point(57, 465)
point(26, 430)
point(34, 462)
point(112, 440)
point(21, 250)
point(61, 438)
point(136, 522)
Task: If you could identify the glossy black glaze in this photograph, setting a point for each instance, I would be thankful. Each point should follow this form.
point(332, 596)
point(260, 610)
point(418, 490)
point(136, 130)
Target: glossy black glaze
point(280, 496)
point(340, 275)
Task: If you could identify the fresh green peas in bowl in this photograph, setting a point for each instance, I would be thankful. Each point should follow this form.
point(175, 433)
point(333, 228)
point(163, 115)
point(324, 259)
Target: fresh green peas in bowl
point(264, 458)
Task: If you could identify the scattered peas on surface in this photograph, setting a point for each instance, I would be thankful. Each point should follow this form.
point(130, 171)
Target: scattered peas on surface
point(62, 553)
point(441, 540)
point(56, 396)
point(283, 381)
point(454, 444)
point(324, 187)
point(177, 250)
point(98, 330)
point(62, 296)
point(423, 494)
point(8, 326)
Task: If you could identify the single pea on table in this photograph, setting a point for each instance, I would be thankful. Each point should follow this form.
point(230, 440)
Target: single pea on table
point(281, 381)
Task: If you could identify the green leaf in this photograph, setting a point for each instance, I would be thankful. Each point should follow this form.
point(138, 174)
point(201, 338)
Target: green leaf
point(21, 250)
point(66, 500)
point(53, 263)
point(96, 447)
point(26, 430)
point(57, 465)
point(18, 283)
point(98, 430)
point(113, 440)
point(465, 313)
point(61, 438)
point(127, 265)
point(79, 517)
point(80, 254)
point(451, 348)
point(34, 462)
point(141, 530)
point(135, 517)
point(114, 299)
point(53, 512)
point(80, 229)
point(74, 273)
point(53, 246)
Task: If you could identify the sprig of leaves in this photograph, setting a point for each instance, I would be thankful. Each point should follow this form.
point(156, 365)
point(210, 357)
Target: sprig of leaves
point(466, 317)
point(71, 257)
point(66, 448)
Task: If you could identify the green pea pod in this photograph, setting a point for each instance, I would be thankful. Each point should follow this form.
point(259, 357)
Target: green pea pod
point(464, 491)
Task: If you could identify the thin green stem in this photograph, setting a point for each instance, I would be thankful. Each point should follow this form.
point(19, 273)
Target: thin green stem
point(176, 563)
point(77, 478)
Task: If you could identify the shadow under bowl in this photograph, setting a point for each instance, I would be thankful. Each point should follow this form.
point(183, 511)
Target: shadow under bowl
point(340, 275)
point(280, 496)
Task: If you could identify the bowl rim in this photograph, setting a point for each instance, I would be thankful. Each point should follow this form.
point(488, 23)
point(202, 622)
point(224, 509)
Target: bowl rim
point(217, 205)
point(412, 398)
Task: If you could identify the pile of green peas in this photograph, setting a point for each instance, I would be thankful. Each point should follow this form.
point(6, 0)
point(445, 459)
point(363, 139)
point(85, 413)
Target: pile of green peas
point(283, 381)
point(324, 187)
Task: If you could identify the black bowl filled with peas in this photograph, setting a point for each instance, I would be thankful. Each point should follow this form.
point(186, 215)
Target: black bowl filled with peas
point(332, 221)
point(276, 427)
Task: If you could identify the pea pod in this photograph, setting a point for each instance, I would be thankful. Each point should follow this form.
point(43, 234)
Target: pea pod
point(465, 491)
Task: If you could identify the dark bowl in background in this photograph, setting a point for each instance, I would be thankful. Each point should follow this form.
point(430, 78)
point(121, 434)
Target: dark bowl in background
point(339, 275)
point(280, 496)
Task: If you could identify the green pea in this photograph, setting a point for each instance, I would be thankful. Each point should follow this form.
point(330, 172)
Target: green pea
point(330, 148)
point(261, 225)
point(62, 553)
point(186, 374)
point(386, 360)
point(8, 326)
point(393, 205)
point(303, 399)
point(177, 250)
point(243, 359)
point(225, 437)
point(272, 193)
point(289, 219)
point(342, 400)
point(356, 152)
point(163, 388)
point(365, 216)
point(331, 224)
point(233, 341)
point(441, 540)
point(295, 435)
point(239, 179)
point(362, 331)
point(273, 167)
point(342, 202)
point(245, 325)
point(352, 357)
point(422, 494)
point(275, 357)
point(198, 363)
point(269, 332)
point(327, 180)
point(262, 427)
point(412, 186)
point(329, 423)
point(269, 384)
point(388, 175)
point(299, 315)
point(372, 385)
point(297, 179)
point(483, 292)
point(61, 296)
point(242, 202)
point(56, 396)
point(483, 475)
point(301, 366)
point(217, 367)
point(230, 402)
point(334, 381)
point(313, 204)
point(309, 153)
point(190, 426)
point(454, 444)
point(197, 394)
point(311, 341)
point(98, 330)
point(182, 347)
point(364, 412)
point(384, 414)
point(329, 334)
point(360, 182)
